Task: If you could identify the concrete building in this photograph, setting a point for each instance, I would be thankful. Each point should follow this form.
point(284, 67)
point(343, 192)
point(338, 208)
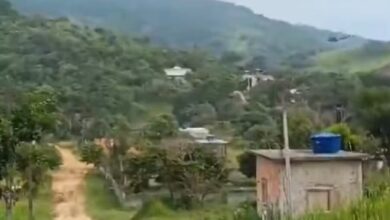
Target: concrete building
point(253, 80)
point(213, 144)
point(318, 181)
point(196, 133)
point(201, 137)
point(177, 73)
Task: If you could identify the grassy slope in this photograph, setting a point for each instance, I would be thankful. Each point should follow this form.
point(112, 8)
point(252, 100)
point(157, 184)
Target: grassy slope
point(101, 205)
point(363, 59)
point(43, 206)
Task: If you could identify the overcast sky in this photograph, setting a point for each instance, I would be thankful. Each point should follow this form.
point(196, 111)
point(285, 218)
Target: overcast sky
point(368, 18)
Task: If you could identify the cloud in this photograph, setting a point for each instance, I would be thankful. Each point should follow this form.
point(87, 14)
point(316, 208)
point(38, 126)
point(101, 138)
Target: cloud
point(369, 18)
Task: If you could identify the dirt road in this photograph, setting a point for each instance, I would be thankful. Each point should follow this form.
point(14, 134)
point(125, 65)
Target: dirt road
point(68, 188)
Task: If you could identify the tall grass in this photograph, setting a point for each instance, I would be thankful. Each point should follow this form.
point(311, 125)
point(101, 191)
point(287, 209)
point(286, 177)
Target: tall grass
point(369, 209)
point(375, 205)
point(101, 203)
point(43, 206)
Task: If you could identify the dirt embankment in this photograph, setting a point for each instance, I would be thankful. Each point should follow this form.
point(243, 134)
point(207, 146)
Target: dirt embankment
point(68, 188)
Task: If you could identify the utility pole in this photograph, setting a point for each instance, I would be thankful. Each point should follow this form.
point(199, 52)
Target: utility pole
point(286, 154)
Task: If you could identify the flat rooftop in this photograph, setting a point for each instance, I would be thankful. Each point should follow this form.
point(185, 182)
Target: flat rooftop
point(308, 155)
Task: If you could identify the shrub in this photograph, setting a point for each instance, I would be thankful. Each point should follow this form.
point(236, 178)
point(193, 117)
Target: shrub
point(247, 162)
point(153, 208)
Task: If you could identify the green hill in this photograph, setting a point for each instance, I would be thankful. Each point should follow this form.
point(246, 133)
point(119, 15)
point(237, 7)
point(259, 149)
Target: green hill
point(219, 26)
point(371, 56)
point(101, 77)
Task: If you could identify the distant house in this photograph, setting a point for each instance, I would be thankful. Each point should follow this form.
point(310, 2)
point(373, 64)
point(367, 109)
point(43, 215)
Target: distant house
point(253, 79)
point(201, 137)
point(196, 133)
point(318, 181)
point(177, 72)
point(213, 144)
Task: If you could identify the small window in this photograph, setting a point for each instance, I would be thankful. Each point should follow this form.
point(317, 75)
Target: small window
point(264, 190)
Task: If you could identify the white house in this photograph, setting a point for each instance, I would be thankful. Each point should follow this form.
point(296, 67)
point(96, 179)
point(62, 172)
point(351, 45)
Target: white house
point(203, 138)
point(177, 72)
point(253, 80)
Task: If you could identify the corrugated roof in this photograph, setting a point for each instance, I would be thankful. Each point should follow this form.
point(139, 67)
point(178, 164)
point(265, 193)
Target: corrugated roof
point(308, 155)
point(211, 141)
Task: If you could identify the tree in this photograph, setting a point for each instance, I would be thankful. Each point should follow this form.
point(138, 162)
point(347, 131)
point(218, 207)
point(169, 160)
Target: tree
point(189, 175)
point(301, 126)
point(263, 136)
point(250, 119)
point(259, 128)
point(202, 173)
point(91, 154)
point(229, 109)
point(10, 185)
point(37, 160)
point(373, 110)
point(247, 162)
point(203, 114)
point(350, 141)
point(140, 167)
point(161, 127)
point(35, 117)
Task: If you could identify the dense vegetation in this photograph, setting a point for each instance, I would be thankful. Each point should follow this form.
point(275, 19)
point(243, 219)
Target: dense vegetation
point(70, 81)
point(101, 77)
point(222, 27)
point(370, 57)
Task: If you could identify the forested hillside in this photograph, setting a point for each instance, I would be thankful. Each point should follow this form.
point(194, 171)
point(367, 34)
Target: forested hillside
point(102, 78)
point(218, 26)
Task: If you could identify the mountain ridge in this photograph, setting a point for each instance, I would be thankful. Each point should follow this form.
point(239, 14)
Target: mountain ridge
point(219, 26)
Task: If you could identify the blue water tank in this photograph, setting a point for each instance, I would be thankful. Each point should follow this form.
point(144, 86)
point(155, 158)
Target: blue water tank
point(326, 143)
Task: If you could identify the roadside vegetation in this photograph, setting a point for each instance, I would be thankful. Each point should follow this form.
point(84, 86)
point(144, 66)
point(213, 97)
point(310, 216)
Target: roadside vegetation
point(43, 205)
point(374, 206)
point(101, 203)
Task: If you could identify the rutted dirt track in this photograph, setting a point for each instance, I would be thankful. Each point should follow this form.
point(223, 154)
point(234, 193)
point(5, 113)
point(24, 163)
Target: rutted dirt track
point(68, 188)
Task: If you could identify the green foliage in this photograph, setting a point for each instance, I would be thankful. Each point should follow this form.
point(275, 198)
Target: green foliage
point(373, 107)
point(219, 26)
point(7, 147)
point(189, 175)
point(140, 167)
point(246, 212)
point(91, 154)
point(163, 126)
point(101, 203)
point(152, 209)
point(211, 85)
point(97, 75)
point(5, 8)
point(247, 162)
point(202, 114)
point(40, 159)
point(259, 128)
point(35, 116)
point(21, 136)
point(369, 57)
point(229, 109)
point(368, 209)
point(301, 126)
point(43, 204)
point(350, 140)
